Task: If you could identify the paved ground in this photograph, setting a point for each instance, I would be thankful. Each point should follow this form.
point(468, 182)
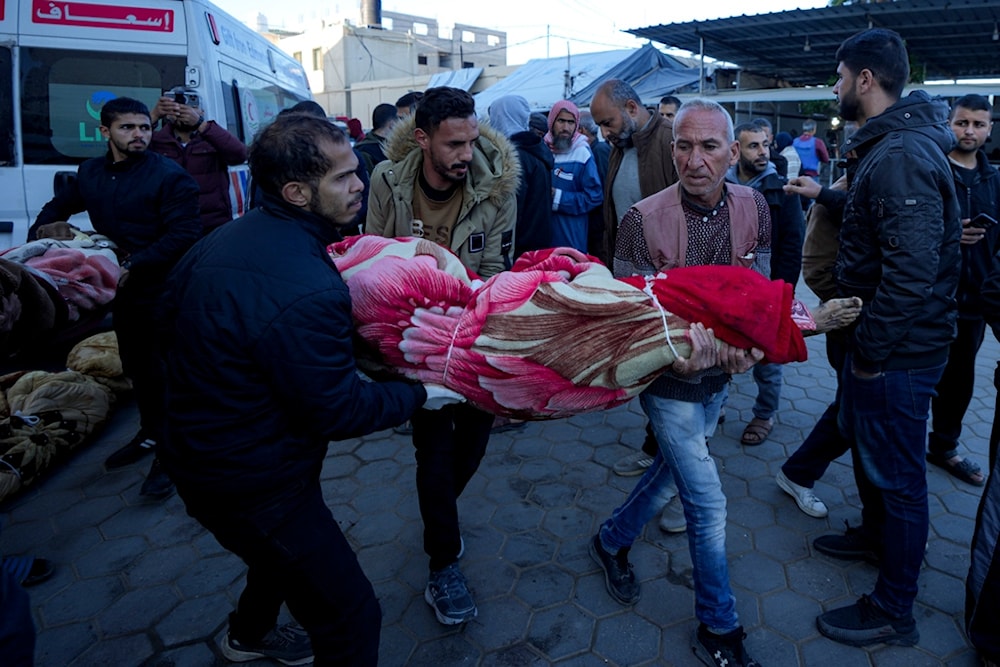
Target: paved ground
point(143, 584)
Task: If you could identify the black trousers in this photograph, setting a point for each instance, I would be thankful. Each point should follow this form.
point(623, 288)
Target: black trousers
point(954, 391)
point(297, 554)
point(134, 322)
point(449, 443)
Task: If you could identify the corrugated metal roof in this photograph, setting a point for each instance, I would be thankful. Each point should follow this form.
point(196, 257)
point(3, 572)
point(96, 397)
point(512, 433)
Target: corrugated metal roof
point(946, 39)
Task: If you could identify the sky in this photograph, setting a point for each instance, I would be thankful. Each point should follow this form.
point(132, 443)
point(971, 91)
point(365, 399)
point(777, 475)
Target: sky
point(577, 26)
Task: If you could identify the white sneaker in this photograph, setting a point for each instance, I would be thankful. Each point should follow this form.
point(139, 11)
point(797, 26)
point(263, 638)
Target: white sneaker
point(672, 520)
point(633, 464)
point(807, 501)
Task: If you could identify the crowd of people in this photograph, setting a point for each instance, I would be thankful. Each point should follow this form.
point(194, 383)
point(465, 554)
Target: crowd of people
point(244, 372)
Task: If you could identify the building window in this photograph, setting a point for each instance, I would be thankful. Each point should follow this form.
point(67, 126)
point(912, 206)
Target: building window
point(317, 59)
point(493, 40)
point(467, 65)
point(420, 28)
point(421, 60)
point(298, 56)
point(468, 37)
point(444, 60)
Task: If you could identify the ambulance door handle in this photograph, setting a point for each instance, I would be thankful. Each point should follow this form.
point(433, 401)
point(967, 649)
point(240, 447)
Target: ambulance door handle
point(62, 180)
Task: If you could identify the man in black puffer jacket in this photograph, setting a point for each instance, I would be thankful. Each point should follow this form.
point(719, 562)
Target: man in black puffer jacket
point(261, 376)
point(899, 252)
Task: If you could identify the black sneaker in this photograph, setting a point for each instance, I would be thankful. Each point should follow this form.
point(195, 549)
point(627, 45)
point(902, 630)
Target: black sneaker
point(721, 650)
point(618, 574)
point(139, 447)
point(864, 623)
point(448, 593)
point(157, 485)
point(288, 644)
point(854, 544)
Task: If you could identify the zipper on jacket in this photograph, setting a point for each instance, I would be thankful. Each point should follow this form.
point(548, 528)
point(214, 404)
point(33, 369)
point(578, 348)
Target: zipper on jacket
point(880, 208)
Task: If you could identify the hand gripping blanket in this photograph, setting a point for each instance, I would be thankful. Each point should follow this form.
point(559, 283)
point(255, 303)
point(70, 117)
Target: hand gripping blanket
point(557, 335)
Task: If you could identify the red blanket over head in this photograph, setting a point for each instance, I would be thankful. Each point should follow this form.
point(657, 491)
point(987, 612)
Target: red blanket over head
point(555, 336)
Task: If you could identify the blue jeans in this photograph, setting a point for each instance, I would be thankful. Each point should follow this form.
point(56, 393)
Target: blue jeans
point(886, 416)
point(684, 463)
point(768, 379)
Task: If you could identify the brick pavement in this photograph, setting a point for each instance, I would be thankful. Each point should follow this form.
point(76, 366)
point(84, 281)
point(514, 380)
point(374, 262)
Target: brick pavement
point(143, 584)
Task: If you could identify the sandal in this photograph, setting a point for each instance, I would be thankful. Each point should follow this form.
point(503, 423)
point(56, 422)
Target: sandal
point(28, 570)
point(965, 470)
point(757, 431)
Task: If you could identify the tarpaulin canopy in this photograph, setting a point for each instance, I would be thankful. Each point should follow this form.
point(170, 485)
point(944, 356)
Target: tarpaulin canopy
point(651, 73)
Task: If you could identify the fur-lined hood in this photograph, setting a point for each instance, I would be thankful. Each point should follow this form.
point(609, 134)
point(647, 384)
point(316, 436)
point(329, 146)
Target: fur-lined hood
point(495, 169)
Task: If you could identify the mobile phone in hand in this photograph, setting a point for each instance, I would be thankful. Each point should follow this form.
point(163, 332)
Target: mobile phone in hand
point(983, 221)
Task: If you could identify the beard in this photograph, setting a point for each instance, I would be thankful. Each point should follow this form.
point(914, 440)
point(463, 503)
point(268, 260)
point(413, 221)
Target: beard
point(750, 167)
point(129, 149)
point(849, 106)
point(562, 142)
point(624, 138)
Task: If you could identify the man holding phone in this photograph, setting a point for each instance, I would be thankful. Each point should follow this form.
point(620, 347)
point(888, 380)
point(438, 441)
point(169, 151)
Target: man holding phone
point(977, 184)
point(204, 148)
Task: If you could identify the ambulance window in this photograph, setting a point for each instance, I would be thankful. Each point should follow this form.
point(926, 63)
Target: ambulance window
point(252, 102)
point(6, 109)
point(62, 93)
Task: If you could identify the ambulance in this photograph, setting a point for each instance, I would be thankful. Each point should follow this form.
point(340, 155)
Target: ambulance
point(61, 61)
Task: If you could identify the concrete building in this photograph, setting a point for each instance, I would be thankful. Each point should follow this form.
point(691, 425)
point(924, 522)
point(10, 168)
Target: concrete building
point(402, 50)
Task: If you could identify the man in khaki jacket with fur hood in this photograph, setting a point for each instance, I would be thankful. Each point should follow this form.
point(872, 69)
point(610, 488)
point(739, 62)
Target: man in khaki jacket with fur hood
point(453, 182)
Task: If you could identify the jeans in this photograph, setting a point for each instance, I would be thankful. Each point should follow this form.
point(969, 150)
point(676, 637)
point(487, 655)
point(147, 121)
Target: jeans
point(886, 416)
point(768, 379)
point(825, 442)
point(683, 462)
point(954, 391)
point(449, 443)
point(305, 561)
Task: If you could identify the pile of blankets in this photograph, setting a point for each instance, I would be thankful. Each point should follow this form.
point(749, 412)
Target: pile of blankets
point(46, 415)
point(557, 335)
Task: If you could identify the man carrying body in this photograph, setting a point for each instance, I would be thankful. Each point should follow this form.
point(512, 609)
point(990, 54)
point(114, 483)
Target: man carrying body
point(899, 252)
point(812, 151)
point(576, 185)
point(202, 147)
point(756, 171)
point(147, 205)
point(372, 147)
point(453, 182)
point(260, 378)
point(718, 224)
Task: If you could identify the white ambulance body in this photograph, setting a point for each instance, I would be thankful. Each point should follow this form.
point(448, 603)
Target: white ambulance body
point(60, 61)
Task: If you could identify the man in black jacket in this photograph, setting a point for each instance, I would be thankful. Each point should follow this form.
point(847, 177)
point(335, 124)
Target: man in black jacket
point(899, 252)
point(510, 114)
point(260, 378)
point(147, 205)
point(755, 170)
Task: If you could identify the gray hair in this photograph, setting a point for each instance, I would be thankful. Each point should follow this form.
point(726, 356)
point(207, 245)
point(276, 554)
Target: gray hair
point(704, 104)
point(587, 123)
point(808, 126)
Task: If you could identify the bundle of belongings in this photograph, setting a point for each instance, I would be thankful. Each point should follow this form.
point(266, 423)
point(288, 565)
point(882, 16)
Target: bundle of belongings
point(45, 415)
point(51, 289)
point(557, 335)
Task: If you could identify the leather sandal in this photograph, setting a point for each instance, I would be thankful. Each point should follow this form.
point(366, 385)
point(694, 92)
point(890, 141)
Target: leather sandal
point(757, 431)
point(965, 470)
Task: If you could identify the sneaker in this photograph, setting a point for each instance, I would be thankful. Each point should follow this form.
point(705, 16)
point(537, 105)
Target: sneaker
point(633, 464)
point(864, 623)
point(449, 595)
point(721, 650)
point(406, 428)
point(852, 545)
point(157, 485)
point(288, 644)
point(672, 520)
point(804, 497)
point(139, 447)
point(618, 575)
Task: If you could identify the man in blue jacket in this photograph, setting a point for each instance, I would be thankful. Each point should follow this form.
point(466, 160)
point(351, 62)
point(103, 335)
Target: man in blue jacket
point(257, 334)
point(899, 253)
point(147, 205)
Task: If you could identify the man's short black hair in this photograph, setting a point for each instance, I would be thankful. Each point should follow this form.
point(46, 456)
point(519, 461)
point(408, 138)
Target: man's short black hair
point(410, 99)
point(307, 107)
point(120, 106)
point(746, 127)
point(441, 103)
point(619, 93)
point(761, 123)
point(972, 102)
point(883, 53)
point(383, 115)
point(670, 99)
point(290, 150)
